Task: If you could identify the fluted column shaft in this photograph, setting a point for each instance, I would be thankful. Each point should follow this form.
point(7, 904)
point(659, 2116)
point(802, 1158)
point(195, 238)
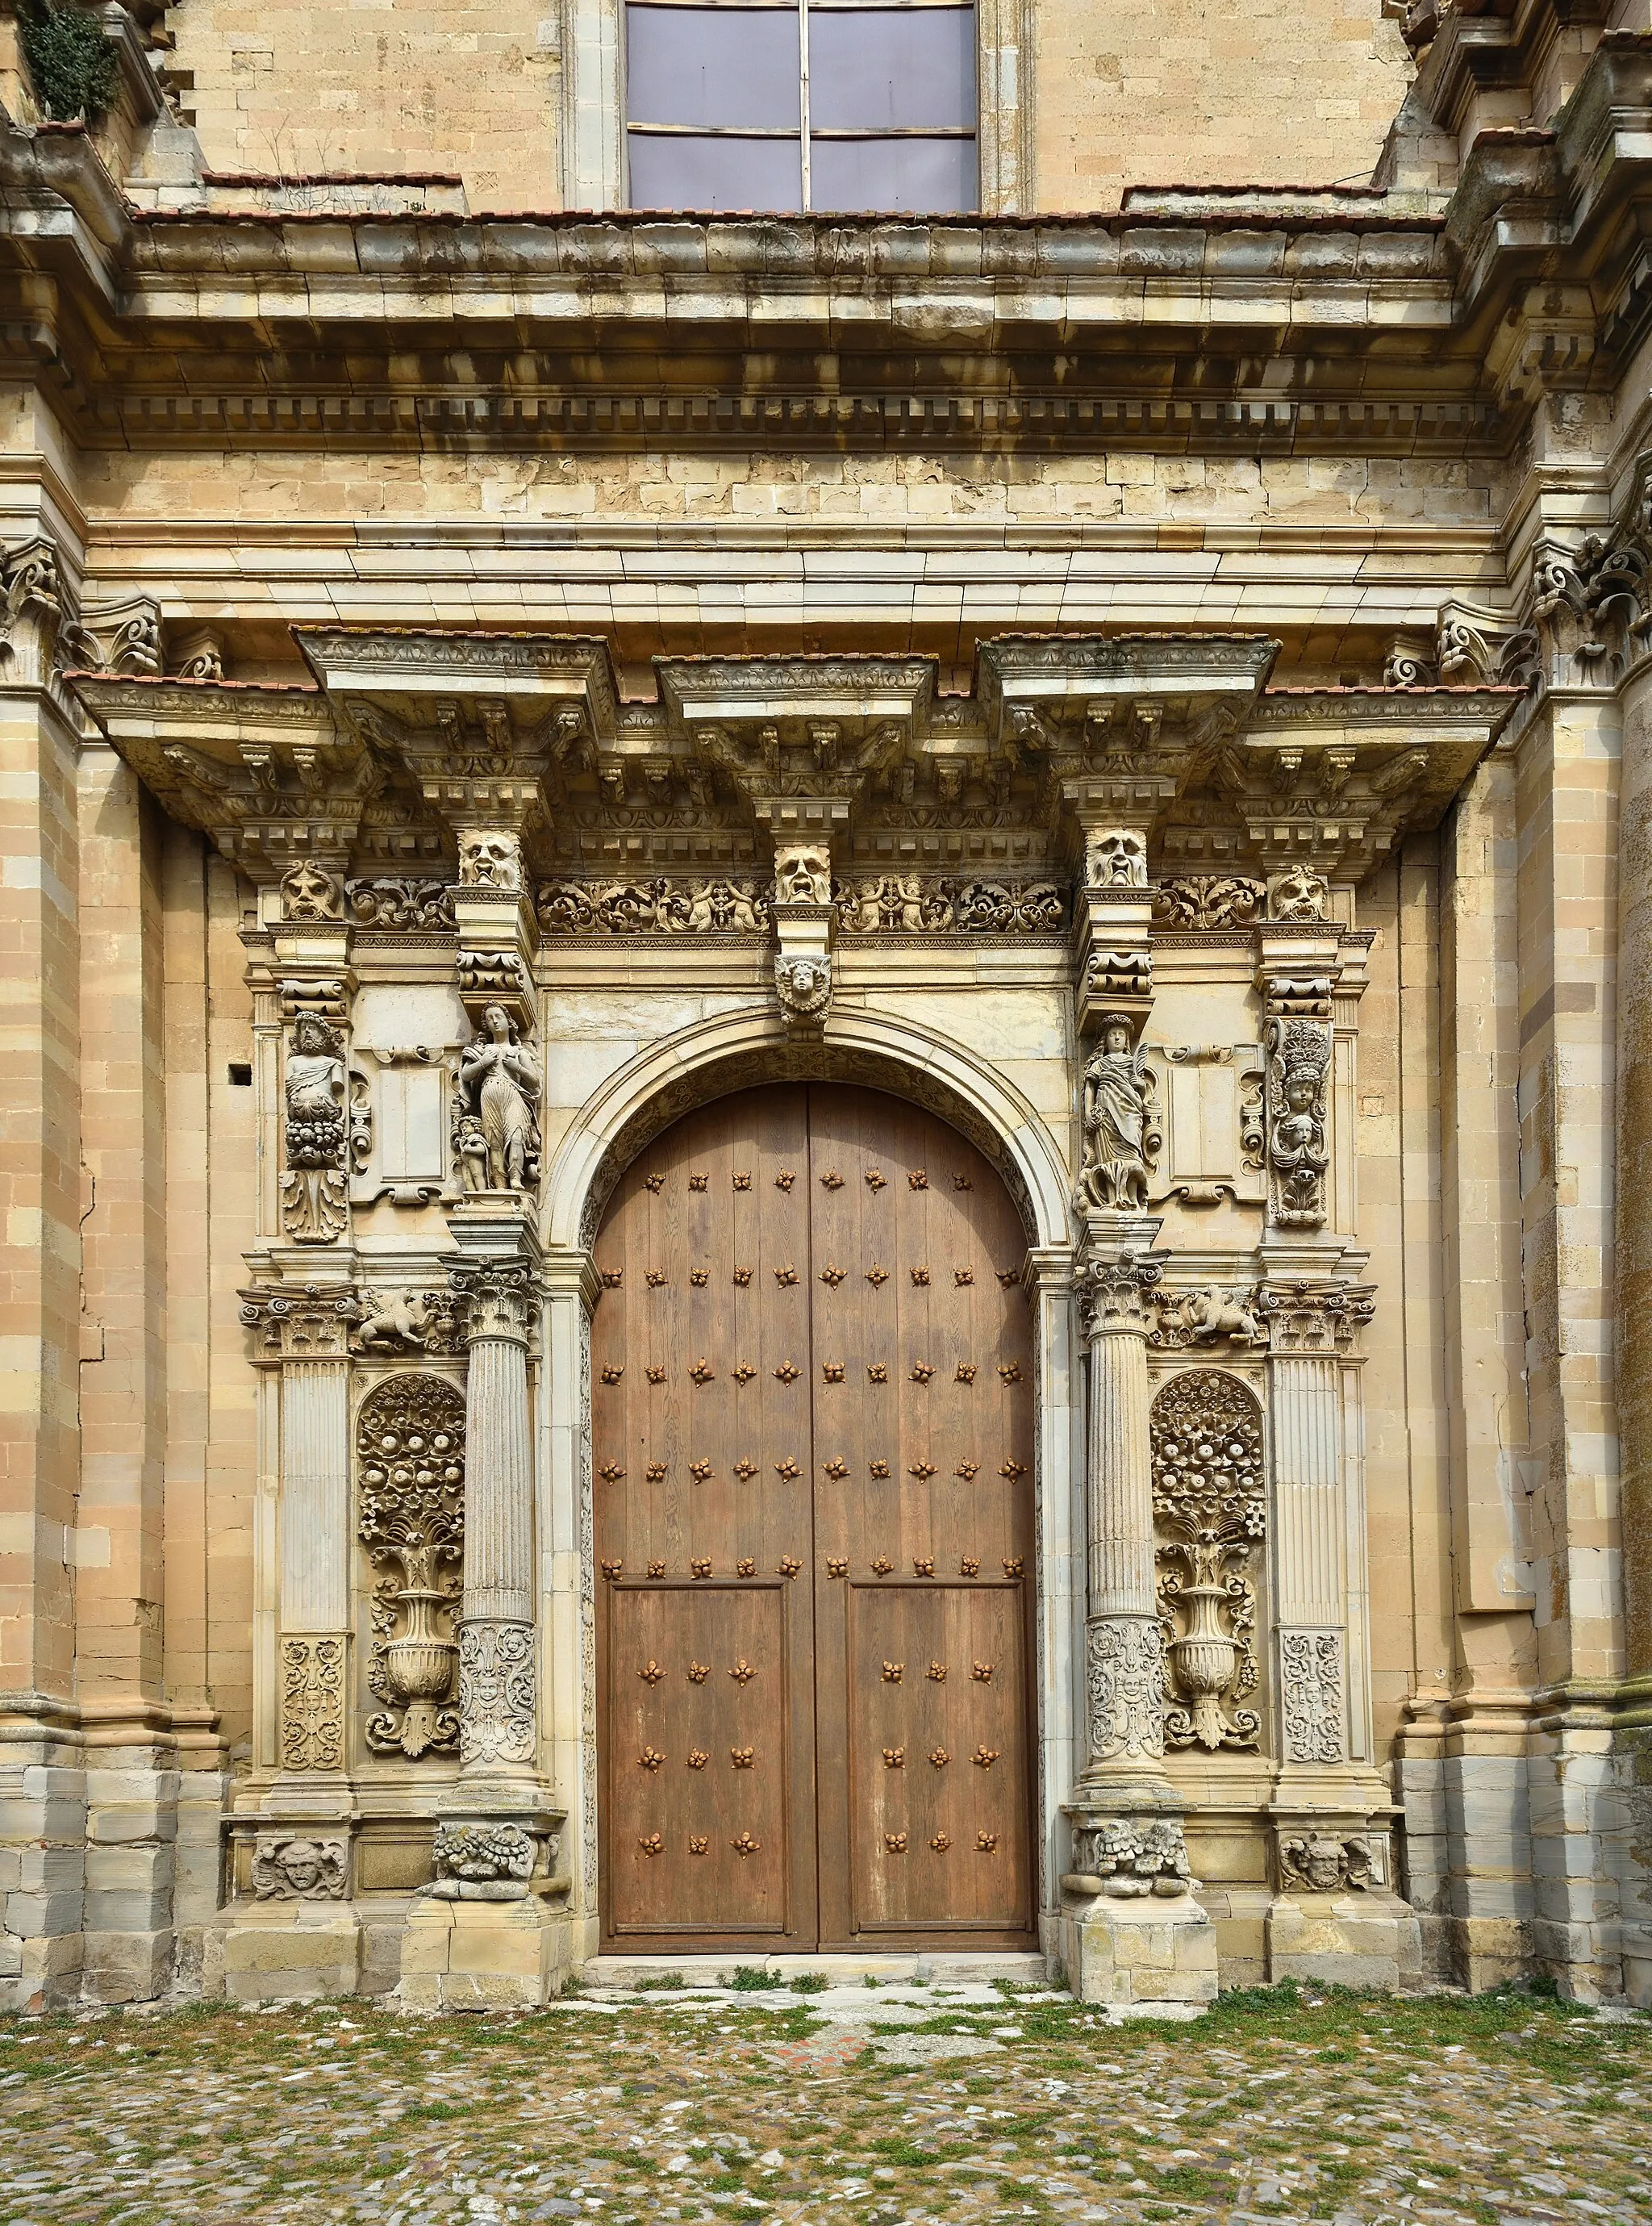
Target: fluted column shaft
point(1310, 1532)
point(314, 1521)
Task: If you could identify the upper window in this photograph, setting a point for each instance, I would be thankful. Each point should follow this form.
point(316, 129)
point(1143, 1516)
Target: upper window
point(787, 104)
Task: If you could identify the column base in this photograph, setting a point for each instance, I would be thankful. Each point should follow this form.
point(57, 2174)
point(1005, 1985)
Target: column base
point(286, 1952)
point(485, 1954)
point(1370, 1939)
point(1151, 1956)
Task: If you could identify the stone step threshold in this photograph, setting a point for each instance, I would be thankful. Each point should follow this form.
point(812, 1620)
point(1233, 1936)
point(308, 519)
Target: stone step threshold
point(848, 1968)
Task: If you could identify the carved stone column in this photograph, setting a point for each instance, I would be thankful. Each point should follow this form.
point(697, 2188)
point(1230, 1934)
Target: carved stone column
point(497, 1684)
point(1130, 1930)
point(1123, 1665)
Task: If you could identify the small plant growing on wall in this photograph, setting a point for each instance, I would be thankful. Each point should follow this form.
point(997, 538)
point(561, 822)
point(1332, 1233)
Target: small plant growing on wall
point(72, 64)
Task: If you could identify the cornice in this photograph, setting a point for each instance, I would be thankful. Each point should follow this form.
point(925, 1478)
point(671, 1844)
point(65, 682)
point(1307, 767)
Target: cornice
point(1378, 329)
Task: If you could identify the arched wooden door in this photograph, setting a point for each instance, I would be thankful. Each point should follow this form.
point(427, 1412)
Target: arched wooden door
point(813, 1423)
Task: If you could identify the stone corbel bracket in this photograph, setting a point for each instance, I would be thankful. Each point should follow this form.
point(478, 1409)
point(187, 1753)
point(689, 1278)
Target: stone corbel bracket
point(264, 771)
point(1331, 778)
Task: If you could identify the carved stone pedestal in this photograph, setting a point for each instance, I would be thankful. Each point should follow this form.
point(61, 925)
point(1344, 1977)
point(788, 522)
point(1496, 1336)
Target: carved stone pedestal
point(483, 1955)
point(1335, 1918)
point(1143, 1957)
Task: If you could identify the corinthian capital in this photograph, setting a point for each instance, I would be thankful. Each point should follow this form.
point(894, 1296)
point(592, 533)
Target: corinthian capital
point(1116, 1293)
point(501, 1298)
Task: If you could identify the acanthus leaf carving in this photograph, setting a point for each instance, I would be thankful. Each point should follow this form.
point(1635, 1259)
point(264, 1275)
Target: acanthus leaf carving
point(393, 903)
point(1118, 1294)
point(1207, 900)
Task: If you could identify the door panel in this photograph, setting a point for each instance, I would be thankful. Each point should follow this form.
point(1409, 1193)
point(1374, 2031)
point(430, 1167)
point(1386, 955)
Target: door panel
point(813, 1431)
point(701, 1446)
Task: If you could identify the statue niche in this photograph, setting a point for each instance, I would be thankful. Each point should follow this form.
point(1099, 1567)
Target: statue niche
point(496, 1127)
point(1120, 1133)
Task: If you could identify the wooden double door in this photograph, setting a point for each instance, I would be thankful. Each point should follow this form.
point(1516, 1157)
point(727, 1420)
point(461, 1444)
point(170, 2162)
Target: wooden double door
point(811, 1384)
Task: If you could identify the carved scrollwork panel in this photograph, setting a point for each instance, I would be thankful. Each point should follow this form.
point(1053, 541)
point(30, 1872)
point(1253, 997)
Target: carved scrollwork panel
point(1125, 1688)
point(496, 1691)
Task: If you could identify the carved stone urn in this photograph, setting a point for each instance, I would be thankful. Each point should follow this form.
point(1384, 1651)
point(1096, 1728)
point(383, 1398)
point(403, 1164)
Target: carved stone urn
point(418, 1668)
point(1205, 1656)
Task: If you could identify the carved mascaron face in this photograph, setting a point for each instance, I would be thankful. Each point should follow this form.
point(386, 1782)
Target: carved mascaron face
point(301, 1862)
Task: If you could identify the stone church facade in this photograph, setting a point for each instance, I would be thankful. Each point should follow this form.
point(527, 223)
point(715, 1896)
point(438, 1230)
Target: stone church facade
point(828, 1120)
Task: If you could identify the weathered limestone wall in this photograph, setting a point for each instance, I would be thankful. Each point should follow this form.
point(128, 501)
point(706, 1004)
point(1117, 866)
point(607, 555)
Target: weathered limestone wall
point(296, 88)
point(1185, 91)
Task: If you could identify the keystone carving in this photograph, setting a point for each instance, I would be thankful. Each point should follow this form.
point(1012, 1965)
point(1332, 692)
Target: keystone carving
point(803, 986)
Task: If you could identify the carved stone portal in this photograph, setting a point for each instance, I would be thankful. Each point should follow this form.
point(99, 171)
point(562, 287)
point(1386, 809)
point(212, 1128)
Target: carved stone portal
point(410, 1448)
point(1208, 1503)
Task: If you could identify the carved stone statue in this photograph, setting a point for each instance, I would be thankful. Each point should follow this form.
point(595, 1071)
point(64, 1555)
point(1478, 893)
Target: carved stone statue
point(313, 1209)
point(1119, 1137)
point(498, 1083)
point(1299, 1053)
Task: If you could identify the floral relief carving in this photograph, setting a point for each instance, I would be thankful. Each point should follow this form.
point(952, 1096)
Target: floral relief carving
point(1207, 900)
point(1314, 1863)
point(1125, 1688)
point(312, 1703)
point(496, 1691)
point(395, 903)
point(1311, 1696)
point(482, 1862)
point(908, 903)
point(411, 1457)
point(1128, 1858)
point(1209, 1517)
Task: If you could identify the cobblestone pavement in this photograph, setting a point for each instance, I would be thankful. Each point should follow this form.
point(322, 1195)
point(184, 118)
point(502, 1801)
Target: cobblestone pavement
point(906, 2104)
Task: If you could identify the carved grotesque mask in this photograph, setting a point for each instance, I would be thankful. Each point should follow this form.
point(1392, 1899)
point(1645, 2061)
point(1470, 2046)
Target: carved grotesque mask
point(1118, 860)
point(804, 875)
point(491, 862)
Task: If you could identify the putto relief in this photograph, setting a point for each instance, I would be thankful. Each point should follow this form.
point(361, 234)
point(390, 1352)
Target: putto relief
point(1121, 1137)
point(656, 907)
point(496, 1115)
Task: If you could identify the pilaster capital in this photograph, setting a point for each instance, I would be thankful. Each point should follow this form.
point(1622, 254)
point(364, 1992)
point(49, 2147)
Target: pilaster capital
point(571, 1271)
point(309, 1322)
point(1115, 1291)
point(1315, 1318)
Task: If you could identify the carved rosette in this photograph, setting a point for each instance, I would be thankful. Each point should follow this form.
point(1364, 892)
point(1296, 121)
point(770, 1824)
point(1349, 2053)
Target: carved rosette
point(501, 1299)
point(1311, 1696)
point(1125, 1688)
point(495, 1693)
point(1209, 1502)
point(311, 1716)
point(410, 1456)
point(1116, 1296)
